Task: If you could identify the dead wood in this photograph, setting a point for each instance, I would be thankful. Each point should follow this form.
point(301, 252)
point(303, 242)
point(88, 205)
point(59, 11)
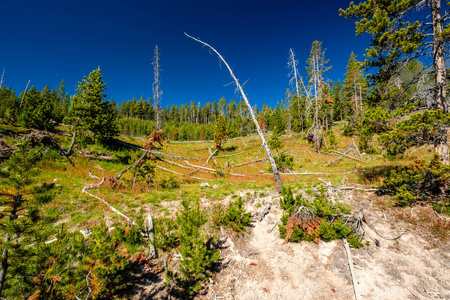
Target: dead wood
point(167, 170)
point(5, 151)
point(155, 152)
point(133, 165)
point(263, 212)
point(352, 270)
point(207, 161)
point(91, 186)
point(343, 154)
point(176, 164)
point(69, 151)
point(306, 173)
point(208, 169)
point(251, 162)
point(305, 219)
point(221, 156)
point(357, 149)
point(150, 231)
point(276, 174)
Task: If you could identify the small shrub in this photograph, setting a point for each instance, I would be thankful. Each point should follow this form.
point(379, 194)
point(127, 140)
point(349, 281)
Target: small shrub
point(330, 228)
point(234, 216)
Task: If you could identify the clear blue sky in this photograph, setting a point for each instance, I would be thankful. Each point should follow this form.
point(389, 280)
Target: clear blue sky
point(47, 41)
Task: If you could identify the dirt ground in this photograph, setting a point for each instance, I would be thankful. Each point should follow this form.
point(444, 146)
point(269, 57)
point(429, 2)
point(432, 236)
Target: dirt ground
point(258, 265)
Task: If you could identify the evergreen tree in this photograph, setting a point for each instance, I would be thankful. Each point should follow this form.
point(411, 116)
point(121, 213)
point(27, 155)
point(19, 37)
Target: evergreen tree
point(355, 86)
point(21, 221)
point(220, 131)
point(401, 32)
point(88, 111)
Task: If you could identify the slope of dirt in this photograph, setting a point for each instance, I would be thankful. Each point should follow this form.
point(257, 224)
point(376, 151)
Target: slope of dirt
point(259, 266)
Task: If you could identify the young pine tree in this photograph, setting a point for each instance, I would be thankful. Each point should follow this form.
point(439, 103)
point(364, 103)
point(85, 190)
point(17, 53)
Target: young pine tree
point(21, 221)
point(220, 131)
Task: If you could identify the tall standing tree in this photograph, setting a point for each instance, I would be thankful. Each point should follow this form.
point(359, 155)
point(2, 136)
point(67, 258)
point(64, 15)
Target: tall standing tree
point(355, 86)
point(403, 30)
point(157, 88)
point(317, 65)
point(88, 112)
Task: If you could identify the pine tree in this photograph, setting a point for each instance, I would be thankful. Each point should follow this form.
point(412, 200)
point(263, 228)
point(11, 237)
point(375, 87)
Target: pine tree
point(401, 32)
point(220, 131)
point(355, 86)
point(21, 220)
point(88, 111)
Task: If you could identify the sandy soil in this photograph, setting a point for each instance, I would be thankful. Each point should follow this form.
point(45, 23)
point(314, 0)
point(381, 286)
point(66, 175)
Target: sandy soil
point(258, 265)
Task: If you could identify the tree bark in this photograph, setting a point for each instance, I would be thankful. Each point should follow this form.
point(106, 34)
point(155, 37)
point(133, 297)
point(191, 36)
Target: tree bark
point(4, 266)
point(441, 144)
point(276, 173)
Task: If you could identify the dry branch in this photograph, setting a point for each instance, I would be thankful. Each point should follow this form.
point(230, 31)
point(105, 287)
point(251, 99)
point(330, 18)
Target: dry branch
point(357, 149)
point(352, 270)
point(91, 186)
point(207, 161)
point(343, 154)
point(133, 165)
point(276, 174)
point(221, 156)
point(251, 162)
point(175, 164)
point(150, 231)
point(208, 169)
point(167, 170)
point(263, 212)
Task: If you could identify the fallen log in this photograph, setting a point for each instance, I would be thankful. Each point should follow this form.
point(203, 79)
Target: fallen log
point(352, 270)
point(210, 169)
point(207, 161)
point(343, 154)
point(91, 186)
point(251, 162)
point(181, 174)
point(221, 156)
point(133, 165)
point(263, 212)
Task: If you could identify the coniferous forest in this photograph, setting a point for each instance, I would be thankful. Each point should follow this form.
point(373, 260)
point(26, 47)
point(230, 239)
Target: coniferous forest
point(135, 199)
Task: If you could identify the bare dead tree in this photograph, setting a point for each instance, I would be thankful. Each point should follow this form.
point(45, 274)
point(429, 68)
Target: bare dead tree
point(23, 96)
point(1, 81)
point(276, 174)
point(157, 88)
point(292, 64)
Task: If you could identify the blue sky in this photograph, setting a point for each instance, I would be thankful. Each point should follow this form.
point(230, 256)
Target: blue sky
point(47, 41)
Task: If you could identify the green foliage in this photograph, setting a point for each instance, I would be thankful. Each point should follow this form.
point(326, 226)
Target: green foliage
point(89, 113)
point(220, 131)
point(419, 183)
point(373, 121)
point(234, 216)
point(417, 130)
point(197, 251)
point(284, 162)
point(331, 228)
point(166, 233)
point(169, 183)
point(275, 142)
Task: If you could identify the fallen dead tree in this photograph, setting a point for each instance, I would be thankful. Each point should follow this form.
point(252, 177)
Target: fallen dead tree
point(275, 174)
point(181, 174)
point(207, 161)
point(305, 219)
point(208, 169)
point(97, 185)
point(251, 162)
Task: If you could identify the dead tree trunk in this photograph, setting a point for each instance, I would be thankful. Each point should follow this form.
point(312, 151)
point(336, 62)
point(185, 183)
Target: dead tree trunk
point(441, 144)
point(157, 89)
point(276, 174)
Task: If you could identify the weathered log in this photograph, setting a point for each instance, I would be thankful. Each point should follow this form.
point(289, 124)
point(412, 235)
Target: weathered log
point(352, 270)
point(133, 165)
point(150, 237)
point(207, 161)
point(167, 170)
point(343, 154)
point(251, 162)
point(263, 212)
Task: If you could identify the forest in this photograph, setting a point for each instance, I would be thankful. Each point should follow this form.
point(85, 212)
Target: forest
point(134, 199)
